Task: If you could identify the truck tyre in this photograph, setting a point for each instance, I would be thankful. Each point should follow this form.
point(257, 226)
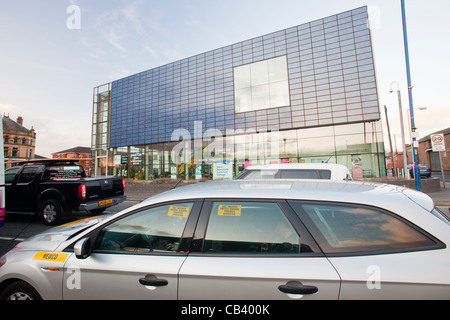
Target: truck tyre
point(51, 212)
point(20, 290)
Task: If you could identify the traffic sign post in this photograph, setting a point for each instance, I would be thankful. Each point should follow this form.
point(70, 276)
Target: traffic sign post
point(438, 145)
point(438, 142)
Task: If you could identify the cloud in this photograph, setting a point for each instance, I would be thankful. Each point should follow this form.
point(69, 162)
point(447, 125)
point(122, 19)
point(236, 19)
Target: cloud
point(133, 28)
point(118, 24)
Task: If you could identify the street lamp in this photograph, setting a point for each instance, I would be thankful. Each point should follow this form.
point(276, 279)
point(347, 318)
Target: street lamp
point(405, 162)
point(409, 121)
point(410, 133)
point(415, 143)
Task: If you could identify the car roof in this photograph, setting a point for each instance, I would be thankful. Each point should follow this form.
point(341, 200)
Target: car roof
point(363, 192)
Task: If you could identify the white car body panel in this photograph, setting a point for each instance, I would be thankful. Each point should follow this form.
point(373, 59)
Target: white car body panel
point(404, 275)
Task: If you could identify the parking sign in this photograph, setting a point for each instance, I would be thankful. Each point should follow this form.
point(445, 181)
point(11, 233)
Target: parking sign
point(437, 142)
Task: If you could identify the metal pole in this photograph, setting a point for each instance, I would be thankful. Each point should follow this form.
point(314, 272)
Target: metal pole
point(411, 108)
point(442, 168)
point(394, 168)
point(405, 162)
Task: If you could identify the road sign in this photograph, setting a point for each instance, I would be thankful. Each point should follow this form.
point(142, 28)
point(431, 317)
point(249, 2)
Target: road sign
point(437, 142)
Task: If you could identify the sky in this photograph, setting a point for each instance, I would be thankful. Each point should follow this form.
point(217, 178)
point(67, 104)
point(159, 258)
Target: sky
point(54, 52)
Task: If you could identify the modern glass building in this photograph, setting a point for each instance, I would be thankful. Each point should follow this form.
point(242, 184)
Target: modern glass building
point(303, 94)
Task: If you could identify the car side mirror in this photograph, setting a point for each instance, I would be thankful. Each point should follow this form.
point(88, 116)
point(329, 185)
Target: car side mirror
point(82, 248)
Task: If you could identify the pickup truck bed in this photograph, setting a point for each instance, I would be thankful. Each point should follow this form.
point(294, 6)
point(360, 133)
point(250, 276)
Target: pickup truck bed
point(53, 189)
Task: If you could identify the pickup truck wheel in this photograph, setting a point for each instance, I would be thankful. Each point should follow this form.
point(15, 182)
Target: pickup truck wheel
point(51, 212)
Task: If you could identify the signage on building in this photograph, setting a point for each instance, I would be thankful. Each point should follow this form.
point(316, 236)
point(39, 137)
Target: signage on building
point(437, 142)
point(222, 170)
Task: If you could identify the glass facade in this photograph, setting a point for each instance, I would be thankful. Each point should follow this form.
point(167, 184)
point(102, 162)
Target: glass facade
point(303, 94)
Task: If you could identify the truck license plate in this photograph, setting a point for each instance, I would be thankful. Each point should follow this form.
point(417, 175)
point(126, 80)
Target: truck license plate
point(105, 202)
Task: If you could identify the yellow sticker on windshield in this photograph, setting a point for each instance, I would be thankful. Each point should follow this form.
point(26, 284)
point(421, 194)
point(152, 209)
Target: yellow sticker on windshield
point(176, 211)
point(230, 210)
point(51, 256)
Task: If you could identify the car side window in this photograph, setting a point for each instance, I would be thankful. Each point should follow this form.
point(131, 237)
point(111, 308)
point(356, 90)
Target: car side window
point(325, 174)
point(10, 174)
point(249, 228)
point(299, 174)
point(158, 229)
point(261, 174)
point(27, 175)
point(342, 228)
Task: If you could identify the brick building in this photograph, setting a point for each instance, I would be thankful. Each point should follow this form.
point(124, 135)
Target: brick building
point(430, 158)
point(83, 154)
point(19, 142)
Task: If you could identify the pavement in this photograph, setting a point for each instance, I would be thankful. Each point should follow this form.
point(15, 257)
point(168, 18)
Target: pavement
point(441, 198)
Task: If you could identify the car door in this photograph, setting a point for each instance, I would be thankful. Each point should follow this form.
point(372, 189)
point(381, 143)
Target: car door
point(11, 198)
point(137, 256)
point(378, 254)
point(22, 190)
point(254, 249)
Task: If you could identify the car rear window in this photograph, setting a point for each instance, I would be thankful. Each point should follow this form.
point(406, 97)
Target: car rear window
point(358, 229)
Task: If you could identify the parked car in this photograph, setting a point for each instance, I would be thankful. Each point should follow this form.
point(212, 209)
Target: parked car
point(54, 188)
point(244, 240)
point(325, 171)
point(423, 169)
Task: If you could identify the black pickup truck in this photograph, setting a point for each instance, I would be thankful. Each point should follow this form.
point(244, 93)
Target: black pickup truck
point(53, 189)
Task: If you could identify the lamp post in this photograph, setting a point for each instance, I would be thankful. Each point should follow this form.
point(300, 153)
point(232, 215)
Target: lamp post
point(405, 162)
point(415, 144)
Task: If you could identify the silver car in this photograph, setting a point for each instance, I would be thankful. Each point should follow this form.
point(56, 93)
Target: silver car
point(244, 240)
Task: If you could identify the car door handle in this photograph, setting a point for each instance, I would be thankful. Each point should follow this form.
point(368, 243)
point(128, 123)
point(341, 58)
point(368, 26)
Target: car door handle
point(298, 290)
point(151, 280)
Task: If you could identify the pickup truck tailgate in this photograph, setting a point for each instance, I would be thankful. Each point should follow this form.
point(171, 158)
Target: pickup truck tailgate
point(103, 188)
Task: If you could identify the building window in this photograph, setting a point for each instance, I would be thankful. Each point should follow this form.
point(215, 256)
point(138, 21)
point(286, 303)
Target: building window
point(16, 141)
point(15, 153)
point(261, 85)
point(6, 139)
point(24, 141)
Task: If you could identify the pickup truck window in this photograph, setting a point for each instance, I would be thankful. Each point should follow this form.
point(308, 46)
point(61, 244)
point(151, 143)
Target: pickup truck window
point(27, 175)
point(10, 174)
